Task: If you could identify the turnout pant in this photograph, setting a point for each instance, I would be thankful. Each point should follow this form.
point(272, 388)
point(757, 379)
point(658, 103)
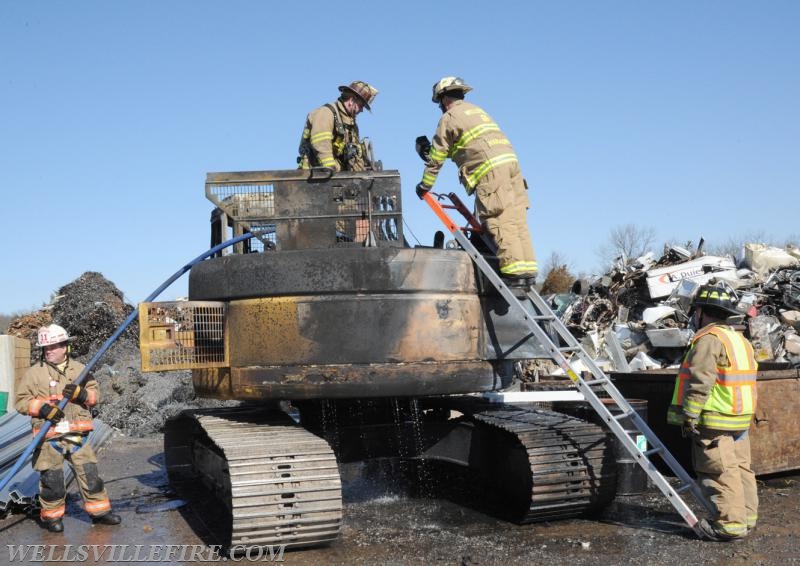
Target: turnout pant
point(721, 460)
point(49, 460)
point(502, 204)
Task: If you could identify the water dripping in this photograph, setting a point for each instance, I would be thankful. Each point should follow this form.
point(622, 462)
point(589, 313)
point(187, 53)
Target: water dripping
point(330, 424)
point(424, 475)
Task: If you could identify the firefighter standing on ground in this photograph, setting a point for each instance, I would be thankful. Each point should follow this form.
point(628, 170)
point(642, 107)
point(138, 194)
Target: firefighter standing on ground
point(487, 167)
point(330, 136)
point(40, 391)
point(714, 402)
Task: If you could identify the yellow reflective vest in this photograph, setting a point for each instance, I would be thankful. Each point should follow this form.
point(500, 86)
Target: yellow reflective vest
point(716, 383)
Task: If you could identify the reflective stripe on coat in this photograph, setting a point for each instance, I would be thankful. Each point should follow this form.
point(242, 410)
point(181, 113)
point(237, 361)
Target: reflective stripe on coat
point(731, 395)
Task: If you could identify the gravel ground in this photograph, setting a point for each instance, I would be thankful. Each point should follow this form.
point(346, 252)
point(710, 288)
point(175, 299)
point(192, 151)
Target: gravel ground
point(382, 526)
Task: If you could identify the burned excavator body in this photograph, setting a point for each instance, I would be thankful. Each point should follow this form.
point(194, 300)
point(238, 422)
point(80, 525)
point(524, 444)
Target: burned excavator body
point(345, 343)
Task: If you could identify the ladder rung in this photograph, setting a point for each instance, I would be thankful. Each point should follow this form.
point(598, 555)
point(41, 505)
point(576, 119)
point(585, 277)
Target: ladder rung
point(654, 451)
point(621, 416)
point(683, 488)
point(543, 317)
point(600, 381)
point(570, 349)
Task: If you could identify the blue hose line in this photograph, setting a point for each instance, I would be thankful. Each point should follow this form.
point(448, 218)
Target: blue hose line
point(131, 317)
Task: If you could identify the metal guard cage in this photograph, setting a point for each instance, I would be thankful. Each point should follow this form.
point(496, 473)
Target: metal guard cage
point(183, 335)
point(306, 209)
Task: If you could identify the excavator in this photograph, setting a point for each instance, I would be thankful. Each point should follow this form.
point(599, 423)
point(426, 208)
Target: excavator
point(342, 343)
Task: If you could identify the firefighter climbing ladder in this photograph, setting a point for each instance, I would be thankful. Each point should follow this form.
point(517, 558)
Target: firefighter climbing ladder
point(540, 314)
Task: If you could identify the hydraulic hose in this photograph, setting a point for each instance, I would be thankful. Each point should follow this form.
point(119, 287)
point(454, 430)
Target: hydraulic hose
point(107, 344)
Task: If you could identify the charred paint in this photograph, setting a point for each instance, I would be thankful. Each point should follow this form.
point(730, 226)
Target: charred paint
point(267, 330)
point(359, 322)
point(354, 329)
point(213, 382)
point(367, 380)
point(443, 309)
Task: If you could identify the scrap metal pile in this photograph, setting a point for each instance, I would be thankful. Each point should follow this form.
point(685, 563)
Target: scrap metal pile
point(638, 316)
point(91, 308)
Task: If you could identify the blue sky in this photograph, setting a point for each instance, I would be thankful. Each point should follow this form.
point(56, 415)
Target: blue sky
point(679, 115)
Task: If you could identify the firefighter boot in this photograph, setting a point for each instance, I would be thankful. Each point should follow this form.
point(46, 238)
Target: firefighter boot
point(710, 532)
point(54, 525)
point(107, 519)
point(520, 284)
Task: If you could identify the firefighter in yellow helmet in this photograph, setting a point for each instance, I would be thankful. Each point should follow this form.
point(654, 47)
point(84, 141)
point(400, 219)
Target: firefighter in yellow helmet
point(714, 402)
point(330, 136)
point(487, 167)
point(40, 390)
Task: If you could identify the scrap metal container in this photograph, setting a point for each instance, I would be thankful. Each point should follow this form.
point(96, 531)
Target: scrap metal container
point(775, 444)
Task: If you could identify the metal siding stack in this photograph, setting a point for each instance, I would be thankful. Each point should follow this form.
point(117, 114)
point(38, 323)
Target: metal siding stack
point(15, 436)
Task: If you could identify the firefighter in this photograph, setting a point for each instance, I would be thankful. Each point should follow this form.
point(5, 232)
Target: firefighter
point(330, 136)
point(40, 390)
point(487, 167)
point(714, 402)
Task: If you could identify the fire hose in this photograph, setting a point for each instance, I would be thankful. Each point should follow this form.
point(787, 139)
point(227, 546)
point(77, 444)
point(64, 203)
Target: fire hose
point(107, 344)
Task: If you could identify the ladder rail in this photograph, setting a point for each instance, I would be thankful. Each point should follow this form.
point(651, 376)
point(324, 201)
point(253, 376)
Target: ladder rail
point(542, 312)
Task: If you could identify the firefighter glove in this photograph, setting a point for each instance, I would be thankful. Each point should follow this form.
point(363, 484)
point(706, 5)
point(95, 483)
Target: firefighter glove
point(423, 147)
point(75, 393)
point(689, 427)
point(422, 190)
point(51, 413)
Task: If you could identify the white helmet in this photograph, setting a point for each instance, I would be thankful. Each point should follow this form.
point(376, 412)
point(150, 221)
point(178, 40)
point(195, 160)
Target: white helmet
point(447, 84)
point(51, 335)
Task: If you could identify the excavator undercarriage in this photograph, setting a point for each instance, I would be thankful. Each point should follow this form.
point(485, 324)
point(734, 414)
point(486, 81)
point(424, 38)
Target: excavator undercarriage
point(277, 482)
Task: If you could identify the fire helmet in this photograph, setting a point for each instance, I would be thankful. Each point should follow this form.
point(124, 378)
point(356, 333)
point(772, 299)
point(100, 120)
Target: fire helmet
point(362, 90)
point(717, 300)
point(51, 335)
point(449, 84)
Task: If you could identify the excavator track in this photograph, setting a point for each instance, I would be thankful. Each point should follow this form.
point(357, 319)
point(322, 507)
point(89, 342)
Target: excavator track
point(278, 482)
point(562, 467)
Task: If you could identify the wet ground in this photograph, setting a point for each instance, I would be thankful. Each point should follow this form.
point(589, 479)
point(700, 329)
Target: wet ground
point(382, 527)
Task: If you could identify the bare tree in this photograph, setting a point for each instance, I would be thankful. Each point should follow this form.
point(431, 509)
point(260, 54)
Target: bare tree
point(730, 247)
point(627, 242)
point(734, 245)
point(556, 260)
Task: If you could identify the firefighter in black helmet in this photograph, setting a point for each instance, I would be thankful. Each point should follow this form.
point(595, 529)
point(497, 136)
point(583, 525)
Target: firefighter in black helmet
point(714, 402)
